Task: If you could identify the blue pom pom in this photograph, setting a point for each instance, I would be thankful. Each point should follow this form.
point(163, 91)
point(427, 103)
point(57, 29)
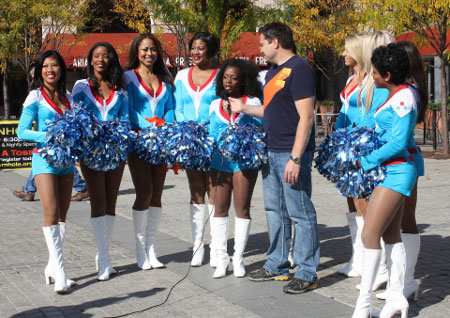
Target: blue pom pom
point(323, 162)
point(188, 145)
point(106, 144)
point(63, 144)
point(337, 159)
point(151, 143)
point(245, 145)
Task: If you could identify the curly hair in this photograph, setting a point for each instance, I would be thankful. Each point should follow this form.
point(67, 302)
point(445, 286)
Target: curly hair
point(115, 72)
point(248, 74)
point(391, 59)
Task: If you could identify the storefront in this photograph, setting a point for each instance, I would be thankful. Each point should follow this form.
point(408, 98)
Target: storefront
point(75, 51)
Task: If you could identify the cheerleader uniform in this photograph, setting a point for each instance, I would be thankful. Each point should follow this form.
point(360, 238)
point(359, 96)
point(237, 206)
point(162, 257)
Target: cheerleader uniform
point(116, 106)
point(219, 122)
point(350, 113)
point(193, 102)
point(39, 107)
point(145, 103)
point(395, 121)
point(379, 97)
point(413, 149)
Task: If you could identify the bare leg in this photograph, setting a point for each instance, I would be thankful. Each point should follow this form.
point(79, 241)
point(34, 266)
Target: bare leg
point(222, 188)
point(95, 183)
point(361, 206)
point(113, 179)
point(158, 178)
point(351, 205)
point(141, 174)
point(383, 208)
point(409, 224)
point(65, 191)
point(198, 185)
point(243, 185)
point(48, 188)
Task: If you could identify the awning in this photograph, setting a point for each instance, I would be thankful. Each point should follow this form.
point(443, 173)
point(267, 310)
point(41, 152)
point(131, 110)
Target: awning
point(426, 49)
point(75, 50)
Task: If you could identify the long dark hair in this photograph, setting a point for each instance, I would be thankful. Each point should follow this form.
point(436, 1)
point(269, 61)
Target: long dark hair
point(115, 72)
point(248, 76)
point(417, 75)
point(38, 81)
point(211, 43)
point(159, 68)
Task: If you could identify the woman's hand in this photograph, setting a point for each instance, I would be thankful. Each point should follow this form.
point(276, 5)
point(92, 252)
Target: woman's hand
point(226, 106)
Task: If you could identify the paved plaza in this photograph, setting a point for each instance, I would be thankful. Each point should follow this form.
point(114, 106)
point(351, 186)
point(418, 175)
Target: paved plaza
point(23, 256)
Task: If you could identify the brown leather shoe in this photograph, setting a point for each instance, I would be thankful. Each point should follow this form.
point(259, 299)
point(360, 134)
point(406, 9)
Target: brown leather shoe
point(80, 196)
point(24, 196)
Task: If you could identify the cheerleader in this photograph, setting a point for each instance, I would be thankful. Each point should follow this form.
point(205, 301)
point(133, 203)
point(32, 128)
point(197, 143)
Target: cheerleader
point(395, 120)
point(194, 92)
point(150, 95)
point(371, 97)
point(47, 100)
point(350, 115)
point(102, 94)
point(239, 78)
point(410, 232)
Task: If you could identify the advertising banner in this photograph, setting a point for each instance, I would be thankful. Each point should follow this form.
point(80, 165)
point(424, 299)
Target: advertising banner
point(14, 153)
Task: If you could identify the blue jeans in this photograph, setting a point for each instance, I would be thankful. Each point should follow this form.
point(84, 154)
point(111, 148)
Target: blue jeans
point(287, 204)
point(78, 183)
point(30, 185)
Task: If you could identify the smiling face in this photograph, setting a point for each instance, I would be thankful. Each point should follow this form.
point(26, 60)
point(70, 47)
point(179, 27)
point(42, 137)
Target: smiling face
point(232, 82)
point(199, 52)
point(100, 60)
point(51, 71)
point(147, 53)
point(348, 60)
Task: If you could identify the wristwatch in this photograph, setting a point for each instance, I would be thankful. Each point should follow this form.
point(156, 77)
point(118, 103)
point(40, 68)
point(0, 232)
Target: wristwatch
point(296, 160)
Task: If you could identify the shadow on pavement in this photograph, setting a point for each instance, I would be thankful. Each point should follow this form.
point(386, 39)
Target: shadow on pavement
point(78, 311)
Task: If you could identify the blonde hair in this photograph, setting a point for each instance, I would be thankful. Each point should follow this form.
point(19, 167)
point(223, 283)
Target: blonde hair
point(353, 46)
point(370, 43)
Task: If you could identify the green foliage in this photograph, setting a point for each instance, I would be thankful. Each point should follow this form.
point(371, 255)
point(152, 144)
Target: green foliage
point(319, 24)
point(226, 19)
point(27, 27)
point(430, 19)
point(326, 102)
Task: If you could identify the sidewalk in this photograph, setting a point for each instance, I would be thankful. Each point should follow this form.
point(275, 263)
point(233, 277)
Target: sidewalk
point(23, 256)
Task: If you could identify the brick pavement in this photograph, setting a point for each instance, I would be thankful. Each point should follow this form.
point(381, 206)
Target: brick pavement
point(23, 256)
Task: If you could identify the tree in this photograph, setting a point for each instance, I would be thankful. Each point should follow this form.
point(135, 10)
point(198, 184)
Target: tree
point(226, 19)
point(29, 27)
point(321, 26)
point(430, 20)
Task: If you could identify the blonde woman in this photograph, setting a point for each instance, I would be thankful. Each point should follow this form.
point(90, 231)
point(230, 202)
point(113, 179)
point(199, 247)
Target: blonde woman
point(350, 115)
